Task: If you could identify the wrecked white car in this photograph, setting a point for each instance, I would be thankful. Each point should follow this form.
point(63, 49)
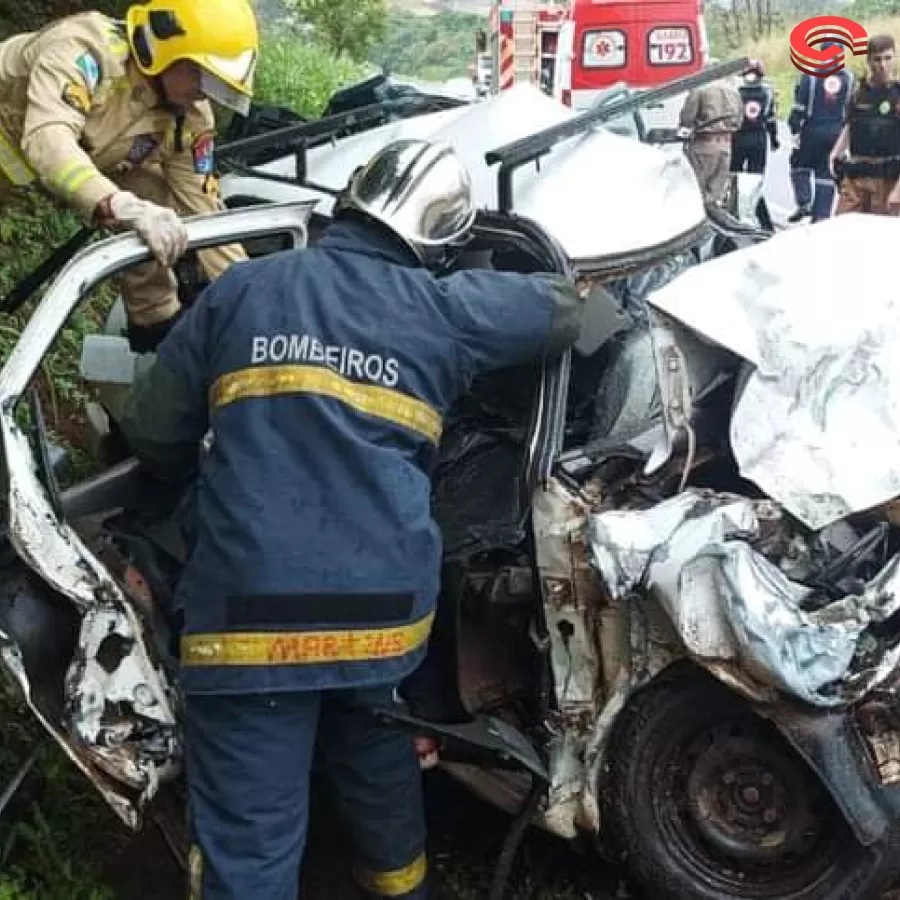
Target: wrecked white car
point(668, 618)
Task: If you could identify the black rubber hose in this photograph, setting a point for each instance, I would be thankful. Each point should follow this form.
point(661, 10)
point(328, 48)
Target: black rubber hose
point(513, 840)
point(51, 266)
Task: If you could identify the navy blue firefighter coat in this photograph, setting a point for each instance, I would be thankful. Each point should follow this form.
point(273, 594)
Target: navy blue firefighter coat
point(324, 376)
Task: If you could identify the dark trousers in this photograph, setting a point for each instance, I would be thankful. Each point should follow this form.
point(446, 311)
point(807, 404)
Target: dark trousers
point(248, 769)
point(812, 182)
point(749, 152)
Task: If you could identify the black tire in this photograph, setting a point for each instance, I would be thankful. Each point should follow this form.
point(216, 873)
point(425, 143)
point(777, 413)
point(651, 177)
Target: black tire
point(706, 801)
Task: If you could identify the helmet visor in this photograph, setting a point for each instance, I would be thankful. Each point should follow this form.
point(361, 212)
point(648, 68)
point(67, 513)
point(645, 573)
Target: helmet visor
point(224, 94)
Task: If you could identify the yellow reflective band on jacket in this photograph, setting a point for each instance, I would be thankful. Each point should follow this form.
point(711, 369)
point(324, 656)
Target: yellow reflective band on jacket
point(282, 648)
point(195, 873)
point(72, 176)
point(13, 166)
point(393, 884)
point(385, 403)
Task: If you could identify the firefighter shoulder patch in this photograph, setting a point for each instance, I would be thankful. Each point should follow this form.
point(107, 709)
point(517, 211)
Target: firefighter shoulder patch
point(202, 150)
point(77, 96)
point(90, 70)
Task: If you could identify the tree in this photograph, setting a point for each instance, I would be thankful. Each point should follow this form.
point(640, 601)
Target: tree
point(26, 15)
point(739, 21)
point(346, 27)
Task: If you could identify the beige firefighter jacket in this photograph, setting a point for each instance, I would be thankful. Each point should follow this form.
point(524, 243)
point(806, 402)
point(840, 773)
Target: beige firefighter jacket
point(712, 109)
point(76, 114)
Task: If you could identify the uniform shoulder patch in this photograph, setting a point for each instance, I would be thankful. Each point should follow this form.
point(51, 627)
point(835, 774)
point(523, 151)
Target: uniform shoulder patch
point(90, 70)
point(77, 96)
point(202, 150)
point(116, 40)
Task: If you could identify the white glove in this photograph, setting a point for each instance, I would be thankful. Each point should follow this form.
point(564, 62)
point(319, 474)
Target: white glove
point(161, 229)
point(683, 132)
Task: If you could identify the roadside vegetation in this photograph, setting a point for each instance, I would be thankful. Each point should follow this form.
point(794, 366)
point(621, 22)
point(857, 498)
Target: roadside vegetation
point(302, 77)
point(775, 52)
point(433, 48)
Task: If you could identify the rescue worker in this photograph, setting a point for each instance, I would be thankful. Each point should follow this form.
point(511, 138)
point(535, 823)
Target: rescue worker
point(815, 123)
point(311, 585)
point(869, 178)
point(759, 124)
point(710, 115)
point(113, 119)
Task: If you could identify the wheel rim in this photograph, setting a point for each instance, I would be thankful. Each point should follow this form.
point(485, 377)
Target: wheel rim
point(740, 799)
point(741, 814)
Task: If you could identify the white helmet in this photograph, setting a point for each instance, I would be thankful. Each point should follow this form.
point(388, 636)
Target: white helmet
point(420, 191)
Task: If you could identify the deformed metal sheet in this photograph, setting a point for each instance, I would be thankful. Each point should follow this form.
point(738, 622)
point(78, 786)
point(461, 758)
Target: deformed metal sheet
point(734, 609)
point(817, 422)
point(622, 196)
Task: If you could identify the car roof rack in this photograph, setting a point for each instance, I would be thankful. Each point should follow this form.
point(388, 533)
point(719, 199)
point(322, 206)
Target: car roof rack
point(302, 136)
point(518, 153)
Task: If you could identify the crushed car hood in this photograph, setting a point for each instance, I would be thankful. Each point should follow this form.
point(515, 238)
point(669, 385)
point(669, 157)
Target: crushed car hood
point(796, 592)
point(708, 559)
point(816, 421)
point(599, 194)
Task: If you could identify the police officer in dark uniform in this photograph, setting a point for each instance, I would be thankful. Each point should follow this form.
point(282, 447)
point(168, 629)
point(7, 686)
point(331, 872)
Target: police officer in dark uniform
point(324, 376)
point(759, 125)
point(815, 122)
point(869, 177)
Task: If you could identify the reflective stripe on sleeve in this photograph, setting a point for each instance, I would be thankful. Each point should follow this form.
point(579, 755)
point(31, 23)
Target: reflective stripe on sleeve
point(72, 176)
point(13, 165)
point(384, 403)
point(393, 884)
point(275, 648)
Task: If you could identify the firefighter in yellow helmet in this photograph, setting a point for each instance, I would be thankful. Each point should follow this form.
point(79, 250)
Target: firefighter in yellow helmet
point(114, 119)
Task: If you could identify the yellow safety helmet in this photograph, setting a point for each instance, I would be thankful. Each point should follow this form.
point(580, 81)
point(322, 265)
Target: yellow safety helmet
point(220, 36)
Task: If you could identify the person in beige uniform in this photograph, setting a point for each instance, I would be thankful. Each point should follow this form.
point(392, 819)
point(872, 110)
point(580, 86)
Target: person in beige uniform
point(114, 119)
point(711, 113)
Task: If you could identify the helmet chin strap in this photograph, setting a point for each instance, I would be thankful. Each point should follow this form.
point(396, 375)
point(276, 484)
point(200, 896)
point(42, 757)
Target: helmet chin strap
point(160, 88)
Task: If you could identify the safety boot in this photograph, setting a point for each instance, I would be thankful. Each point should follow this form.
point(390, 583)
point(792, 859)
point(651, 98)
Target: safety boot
point(801, 212)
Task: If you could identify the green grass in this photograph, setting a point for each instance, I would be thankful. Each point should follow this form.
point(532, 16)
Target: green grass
point(30, 228)
point(300, 75)
point(48, 834)
point(44, 842)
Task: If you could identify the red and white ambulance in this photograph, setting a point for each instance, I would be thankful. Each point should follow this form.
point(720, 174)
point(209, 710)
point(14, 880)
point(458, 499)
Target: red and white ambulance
point(578, 49)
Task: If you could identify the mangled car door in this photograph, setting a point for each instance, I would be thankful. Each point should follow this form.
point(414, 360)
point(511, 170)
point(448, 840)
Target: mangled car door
point(73, 639)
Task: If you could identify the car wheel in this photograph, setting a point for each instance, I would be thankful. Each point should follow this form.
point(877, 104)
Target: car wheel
point(706, 801)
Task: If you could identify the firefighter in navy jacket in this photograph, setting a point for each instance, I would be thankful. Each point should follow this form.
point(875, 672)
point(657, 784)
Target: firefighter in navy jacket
point(816, 120)
point(323, 376)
